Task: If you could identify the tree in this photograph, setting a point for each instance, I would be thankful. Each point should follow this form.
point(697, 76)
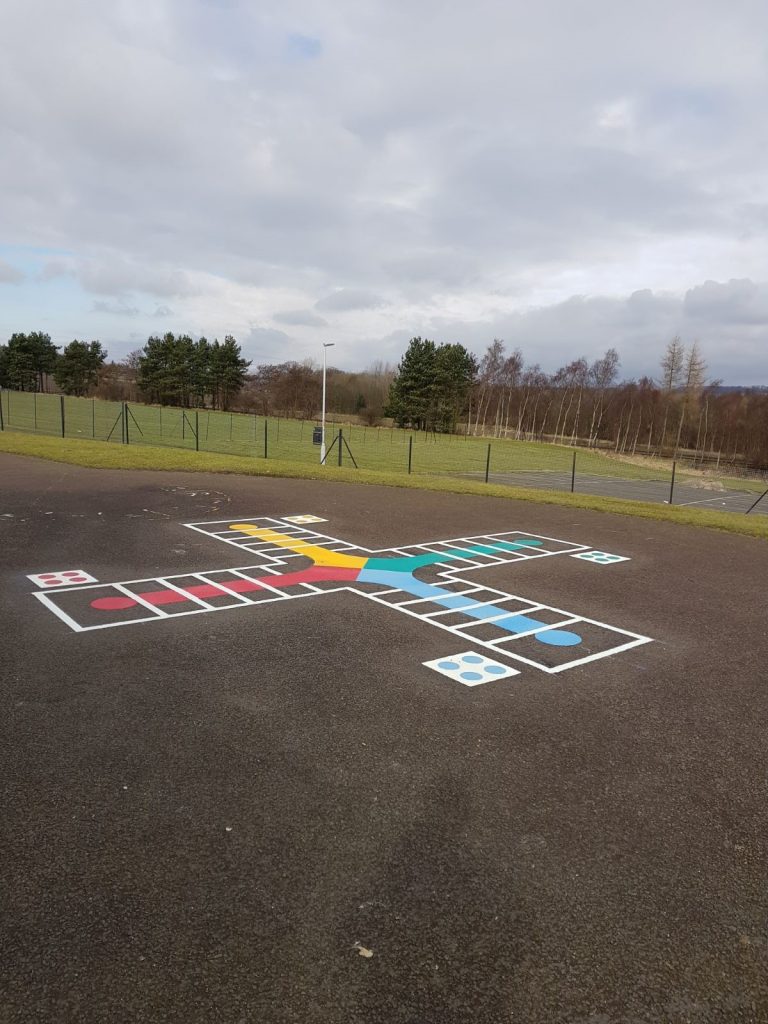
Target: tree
point(454, 374)
point(432, 384)
point(227, 371)
point(410, 394)
point(29, 357)
point(602, 378)
point(77, 369)
point(166, 369)
point(693, 375)
point(671, 376)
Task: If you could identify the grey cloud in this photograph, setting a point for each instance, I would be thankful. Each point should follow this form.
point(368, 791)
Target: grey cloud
point(113, 276)
point(300, 318)
point(266, 344)
point(10, 274)
point(163, 311)
point(738, 302)
point(732, 336)
point(199, 143)
point(345, 299)
point(115, 308)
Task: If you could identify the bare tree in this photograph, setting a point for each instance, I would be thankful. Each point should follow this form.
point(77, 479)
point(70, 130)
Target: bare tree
point(694, 376)
point(671, 376)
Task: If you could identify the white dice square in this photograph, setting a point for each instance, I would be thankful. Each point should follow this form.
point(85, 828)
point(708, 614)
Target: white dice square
point(471, 668)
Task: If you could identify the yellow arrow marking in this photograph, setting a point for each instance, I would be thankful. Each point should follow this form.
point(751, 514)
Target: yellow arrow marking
point(320, 556)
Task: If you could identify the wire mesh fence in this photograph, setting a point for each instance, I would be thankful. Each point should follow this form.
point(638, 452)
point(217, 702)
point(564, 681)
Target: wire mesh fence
point(387, 449)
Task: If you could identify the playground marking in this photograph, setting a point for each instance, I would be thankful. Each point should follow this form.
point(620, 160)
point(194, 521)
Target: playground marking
point(301, 520)
point(471, 668)
point(63, 578)
point(430, 582)
point(600, 557)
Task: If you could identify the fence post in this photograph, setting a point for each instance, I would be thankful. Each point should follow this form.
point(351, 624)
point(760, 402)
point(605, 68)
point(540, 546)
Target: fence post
point(488, 463)
point(410, 451)
point(93, 418)
point(127, 424)
point(573, 473)
point(340, 442)
point(63, 429)
point(2, 424)
point(266, 426)
point(34, 408)
point(672, 484)
point(753, 505)
point(197, 431)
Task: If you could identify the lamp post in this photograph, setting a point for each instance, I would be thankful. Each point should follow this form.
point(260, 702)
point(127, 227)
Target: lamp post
point(326, 346)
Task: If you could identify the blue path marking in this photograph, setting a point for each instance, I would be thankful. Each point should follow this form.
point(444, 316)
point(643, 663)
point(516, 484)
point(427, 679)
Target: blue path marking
point(410, 563)
point(513, 624)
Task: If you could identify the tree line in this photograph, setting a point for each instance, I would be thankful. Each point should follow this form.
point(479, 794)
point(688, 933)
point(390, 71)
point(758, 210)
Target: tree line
point(680, 411)
point(28, 360)
point(170, 370)
point(436, 387)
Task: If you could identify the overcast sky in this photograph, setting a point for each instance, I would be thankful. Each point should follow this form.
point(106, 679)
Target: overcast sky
point(564, 175)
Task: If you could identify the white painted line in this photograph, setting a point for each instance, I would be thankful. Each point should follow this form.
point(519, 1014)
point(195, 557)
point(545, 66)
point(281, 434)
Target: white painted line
point(544, 628)
point(140, 600)
point(266, 586)
point(190, 597)
point(604, 654)
point(723, 499)
point(58, 611)
point(485, 604)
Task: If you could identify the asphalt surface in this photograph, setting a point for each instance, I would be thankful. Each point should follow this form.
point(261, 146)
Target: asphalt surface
point(202, 816)
point(727, 499)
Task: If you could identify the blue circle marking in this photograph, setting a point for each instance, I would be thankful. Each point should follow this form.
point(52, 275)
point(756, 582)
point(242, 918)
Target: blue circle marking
point(495, 670)
point(449, 666)
point(473, 659)
point(471, 677)
point(558, 638)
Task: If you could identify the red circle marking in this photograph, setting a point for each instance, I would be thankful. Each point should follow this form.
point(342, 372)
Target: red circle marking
point(77, 579)
point(71, 572)
point(113, 604)
point(49, 575)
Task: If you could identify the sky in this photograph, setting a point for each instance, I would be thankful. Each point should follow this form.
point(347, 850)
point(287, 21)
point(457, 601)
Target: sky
point(566, 176)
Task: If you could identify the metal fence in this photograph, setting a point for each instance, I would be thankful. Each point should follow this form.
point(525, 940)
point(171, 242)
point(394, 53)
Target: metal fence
point(516, 463)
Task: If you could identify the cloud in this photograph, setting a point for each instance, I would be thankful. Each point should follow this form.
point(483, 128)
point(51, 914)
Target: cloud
point(10, 274)
point(267, 345)
point(238, 160)
point(115, 275)
point(730, 322)
point(737, 303)
point(115, 308)
point(300, 318)
point(163, 311)
point(301, 47)
point(346, 299)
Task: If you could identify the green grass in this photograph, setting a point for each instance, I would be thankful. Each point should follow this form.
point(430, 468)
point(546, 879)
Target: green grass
point(100, 455)
point(374, 448)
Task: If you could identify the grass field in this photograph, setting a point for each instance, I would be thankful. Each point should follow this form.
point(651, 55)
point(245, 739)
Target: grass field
point(374, 448)
point(98, 455)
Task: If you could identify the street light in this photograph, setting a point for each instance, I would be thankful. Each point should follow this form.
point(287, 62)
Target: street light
point(326, 345)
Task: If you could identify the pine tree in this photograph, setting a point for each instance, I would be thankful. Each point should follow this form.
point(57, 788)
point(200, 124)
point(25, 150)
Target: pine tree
point(411, 392)
point(78, 367)
point(29, 357)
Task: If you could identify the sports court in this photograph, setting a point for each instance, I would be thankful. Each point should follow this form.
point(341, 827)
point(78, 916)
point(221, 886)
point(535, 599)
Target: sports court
point(281, 750)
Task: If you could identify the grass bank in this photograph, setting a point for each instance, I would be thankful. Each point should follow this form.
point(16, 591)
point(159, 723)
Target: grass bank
point(101, 455)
